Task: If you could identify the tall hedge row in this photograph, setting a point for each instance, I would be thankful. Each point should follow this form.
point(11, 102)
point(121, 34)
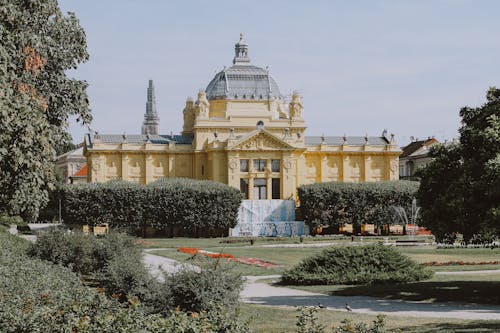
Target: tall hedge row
point(167, 203)
point(337, 203)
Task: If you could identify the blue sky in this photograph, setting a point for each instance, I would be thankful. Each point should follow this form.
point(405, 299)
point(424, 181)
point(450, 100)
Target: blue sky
point(361, 66)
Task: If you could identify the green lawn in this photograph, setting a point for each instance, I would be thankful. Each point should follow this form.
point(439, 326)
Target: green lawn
point(425, 254)
point(215, 242)
point(289, 256)
point(481, 288)
point(267, 319)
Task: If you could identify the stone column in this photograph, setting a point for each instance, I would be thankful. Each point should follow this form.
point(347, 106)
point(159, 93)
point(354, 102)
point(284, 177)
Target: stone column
point(233, 171)
point(250, 187)
point(289, 177)
point(269, 186)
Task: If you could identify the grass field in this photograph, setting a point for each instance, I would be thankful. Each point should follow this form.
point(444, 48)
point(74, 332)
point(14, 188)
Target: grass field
point(267, 319)
point(289, 256)
point(477, 289)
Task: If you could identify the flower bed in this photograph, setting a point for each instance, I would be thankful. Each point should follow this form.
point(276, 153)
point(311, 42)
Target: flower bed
point(460, 263)
point(189, 250)
point(243, 260)
point(257, 262)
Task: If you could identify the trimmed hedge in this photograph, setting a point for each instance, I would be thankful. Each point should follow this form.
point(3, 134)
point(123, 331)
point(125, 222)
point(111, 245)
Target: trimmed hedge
point(185, 204)
point(356, 265)
point(337, 203)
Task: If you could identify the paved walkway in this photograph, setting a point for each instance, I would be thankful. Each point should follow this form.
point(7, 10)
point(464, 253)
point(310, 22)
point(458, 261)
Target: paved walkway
point(265, 294)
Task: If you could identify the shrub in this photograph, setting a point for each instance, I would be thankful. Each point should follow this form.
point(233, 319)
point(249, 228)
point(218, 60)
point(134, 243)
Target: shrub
point(36, 297)
point(377, 326)
point(115, 259)
point(185, 204)
point(7, 220)
point(356, 265)
point(213, 287)
point(336, 203)
point(307, 321)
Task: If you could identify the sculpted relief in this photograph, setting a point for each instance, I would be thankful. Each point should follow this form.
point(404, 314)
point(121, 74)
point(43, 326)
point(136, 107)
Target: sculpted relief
point(261, 142)
point(296, 107)
point(202, 105)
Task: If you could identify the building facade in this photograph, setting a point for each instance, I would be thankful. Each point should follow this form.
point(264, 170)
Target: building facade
point(70, 164)
point(243, 132)
point(414, 157)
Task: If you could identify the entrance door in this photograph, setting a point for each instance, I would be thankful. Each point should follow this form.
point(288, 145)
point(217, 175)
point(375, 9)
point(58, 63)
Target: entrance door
point(259, 189)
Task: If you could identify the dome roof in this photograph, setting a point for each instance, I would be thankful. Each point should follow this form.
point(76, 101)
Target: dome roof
point(243, 80)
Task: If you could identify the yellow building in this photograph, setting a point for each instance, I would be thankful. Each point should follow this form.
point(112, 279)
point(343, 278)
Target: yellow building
point(242, 132)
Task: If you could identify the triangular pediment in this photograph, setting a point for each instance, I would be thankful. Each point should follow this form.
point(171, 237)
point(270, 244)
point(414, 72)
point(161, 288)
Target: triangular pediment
point(260, 140)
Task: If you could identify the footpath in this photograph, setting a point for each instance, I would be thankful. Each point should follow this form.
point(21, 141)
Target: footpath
point(256, 292)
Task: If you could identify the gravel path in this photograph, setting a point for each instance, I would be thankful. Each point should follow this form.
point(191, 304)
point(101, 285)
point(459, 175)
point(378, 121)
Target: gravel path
point(264, 294)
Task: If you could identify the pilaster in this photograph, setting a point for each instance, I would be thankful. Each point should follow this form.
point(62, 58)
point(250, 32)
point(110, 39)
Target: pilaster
point(125, 166)
point(171, 168)
point(148, 168)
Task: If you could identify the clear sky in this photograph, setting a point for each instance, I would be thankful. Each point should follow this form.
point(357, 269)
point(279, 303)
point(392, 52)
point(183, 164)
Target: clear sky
point(361, 66)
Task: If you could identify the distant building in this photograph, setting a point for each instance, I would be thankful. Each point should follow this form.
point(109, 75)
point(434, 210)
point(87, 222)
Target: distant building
point(69, 164)
point(80, 176)
point(243, 132)
point(415, 156)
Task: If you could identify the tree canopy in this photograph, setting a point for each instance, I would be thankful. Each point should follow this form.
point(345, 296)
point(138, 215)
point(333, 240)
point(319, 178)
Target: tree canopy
point(37, 45)
point(460, 189)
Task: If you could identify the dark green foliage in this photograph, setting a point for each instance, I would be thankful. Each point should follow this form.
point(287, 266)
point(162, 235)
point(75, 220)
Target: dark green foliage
point(117, 202)
point(440, 193)
point(211, 288)
point(39, 297)
point(38, 44)
point(186, 204)
point(307, 321)
point(356, 265)
point(115, 259)
point(337, 203)
point(377, 326)
point(460, 189)
point(9, 220)
point(189, 203)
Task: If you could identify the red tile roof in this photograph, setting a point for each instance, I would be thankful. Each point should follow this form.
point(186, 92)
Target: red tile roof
point(82, 172)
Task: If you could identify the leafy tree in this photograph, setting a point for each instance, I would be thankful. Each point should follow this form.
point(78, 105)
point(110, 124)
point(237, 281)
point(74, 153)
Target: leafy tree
point(480, 141)
point(460, 189)
point(37, 45)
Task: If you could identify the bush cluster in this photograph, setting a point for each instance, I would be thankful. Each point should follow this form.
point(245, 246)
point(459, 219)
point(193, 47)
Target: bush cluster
point(337, 203)
point(308, 322)
point(184, 204)
point(38, 296)
point(356, 265)
point(115, 262)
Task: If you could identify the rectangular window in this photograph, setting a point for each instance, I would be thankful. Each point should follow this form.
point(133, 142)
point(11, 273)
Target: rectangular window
point(243, 165)
point(259, 165)
point(276, 188)
point(275, 165)
point(260, 189)
point(244, 187)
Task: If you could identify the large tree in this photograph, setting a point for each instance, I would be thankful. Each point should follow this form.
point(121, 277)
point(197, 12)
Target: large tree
point(460, 189)
point(37, 45)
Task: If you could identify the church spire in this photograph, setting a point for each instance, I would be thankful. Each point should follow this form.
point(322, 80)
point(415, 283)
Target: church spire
point(241, 52)
point(151, 124)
